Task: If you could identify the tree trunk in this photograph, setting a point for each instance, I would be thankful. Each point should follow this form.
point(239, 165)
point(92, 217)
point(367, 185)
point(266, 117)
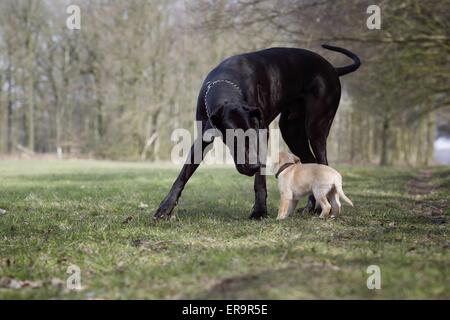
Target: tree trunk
point(30, 102)
point(352, 126)
point(2, 113)
point(421, 132)
point(30, 81)
point(384, 159)
point(429, 153)
point(9, 108)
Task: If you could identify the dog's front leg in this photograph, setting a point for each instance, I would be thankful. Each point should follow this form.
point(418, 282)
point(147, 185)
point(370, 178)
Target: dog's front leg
point(170, 201)
point(260, 206)
point(310, 206)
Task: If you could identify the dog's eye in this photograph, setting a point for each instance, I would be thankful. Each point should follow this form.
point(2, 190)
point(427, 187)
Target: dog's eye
point(256, 113)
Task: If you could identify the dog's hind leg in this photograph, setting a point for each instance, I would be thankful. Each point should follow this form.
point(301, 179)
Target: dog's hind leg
point(320, 112)
point(293, 131)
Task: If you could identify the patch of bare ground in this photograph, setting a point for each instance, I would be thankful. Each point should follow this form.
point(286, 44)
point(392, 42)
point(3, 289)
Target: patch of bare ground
point(293, 273)
point(420, 187)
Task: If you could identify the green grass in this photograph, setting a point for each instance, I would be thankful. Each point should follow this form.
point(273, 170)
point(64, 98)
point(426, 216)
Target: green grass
point(88, 213)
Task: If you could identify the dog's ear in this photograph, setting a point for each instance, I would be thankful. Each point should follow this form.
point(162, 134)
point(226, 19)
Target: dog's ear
point(216, 116)
point(296, 159)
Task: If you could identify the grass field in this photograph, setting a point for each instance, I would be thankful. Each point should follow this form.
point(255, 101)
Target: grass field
point(91, 214)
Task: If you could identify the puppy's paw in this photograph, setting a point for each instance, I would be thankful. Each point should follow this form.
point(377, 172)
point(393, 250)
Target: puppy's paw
point(282, 216)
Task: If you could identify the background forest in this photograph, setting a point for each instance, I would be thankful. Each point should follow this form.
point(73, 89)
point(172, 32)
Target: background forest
point(117, 87)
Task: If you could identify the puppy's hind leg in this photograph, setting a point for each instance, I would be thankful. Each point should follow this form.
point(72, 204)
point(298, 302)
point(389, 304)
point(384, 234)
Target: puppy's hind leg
point(335, 204)
point(326, 207)
point(320, 193)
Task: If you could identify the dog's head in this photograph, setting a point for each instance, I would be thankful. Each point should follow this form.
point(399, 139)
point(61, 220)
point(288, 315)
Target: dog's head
point(239, 125)
point(283, 158)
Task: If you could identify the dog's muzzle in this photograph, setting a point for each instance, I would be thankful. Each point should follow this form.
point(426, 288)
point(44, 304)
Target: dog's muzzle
point(248, 169)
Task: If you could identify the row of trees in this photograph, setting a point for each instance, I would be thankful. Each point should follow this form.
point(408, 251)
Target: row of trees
point(120, 85)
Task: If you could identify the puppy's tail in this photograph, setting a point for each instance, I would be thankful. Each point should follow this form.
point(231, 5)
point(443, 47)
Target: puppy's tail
point(347, 69)
point(342, 194)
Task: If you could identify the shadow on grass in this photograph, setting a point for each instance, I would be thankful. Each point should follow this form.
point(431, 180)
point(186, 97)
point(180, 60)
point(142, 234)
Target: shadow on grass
point(308, 278)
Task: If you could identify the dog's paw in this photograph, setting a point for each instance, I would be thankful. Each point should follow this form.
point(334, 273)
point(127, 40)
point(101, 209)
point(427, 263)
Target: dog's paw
point(308, 209)
point(258, 215)
point(303, 211)
point(164, 211)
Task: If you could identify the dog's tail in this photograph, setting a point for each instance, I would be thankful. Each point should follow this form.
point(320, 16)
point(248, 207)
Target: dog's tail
point(342, 194)
point(347, 69)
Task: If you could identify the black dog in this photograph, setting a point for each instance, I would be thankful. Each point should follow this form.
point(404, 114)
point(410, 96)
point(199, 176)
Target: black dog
point(248, 91)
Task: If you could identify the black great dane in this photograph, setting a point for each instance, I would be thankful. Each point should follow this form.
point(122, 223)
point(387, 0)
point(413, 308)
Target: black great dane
point(248, 91)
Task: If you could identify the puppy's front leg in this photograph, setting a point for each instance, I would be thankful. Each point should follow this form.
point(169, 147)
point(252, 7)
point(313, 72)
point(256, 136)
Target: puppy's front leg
point(286, 208)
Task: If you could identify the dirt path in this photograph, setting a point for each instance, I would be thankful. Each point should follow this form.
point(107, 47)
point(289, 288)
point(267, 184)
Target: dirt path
point(420, 187)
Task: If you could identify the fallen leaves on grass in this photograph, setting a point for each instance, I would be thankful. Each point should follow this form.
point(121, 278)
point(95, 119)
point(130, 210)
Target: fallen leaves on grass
point(12, 283)
point(6, 262)
point(143, 205)
point(127, 219)
point(58, 283)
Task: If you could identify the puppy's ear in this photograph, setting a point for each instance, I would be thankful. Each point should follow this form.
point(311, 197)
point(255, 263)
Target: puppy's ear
point(283, 157)
point(296, 159)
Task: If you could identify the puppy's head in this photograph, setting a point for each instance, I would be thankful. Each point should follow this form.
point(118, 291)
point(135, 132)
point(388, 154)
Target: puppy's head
point(283, 158)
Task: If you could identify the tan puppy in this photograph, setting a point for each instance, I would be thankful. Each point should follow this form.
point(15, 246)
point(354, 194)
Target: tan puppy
point(296, 180)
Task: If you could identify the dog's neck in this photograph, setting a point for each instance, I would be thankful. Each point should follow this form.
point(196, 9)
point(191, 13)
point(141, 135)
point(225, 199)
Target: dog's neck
point(284, 167)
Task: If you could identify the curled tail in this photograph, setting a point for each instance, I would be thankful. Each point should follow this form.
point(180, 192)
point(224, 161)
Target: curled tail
point(347, 69)
point(342, 195)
